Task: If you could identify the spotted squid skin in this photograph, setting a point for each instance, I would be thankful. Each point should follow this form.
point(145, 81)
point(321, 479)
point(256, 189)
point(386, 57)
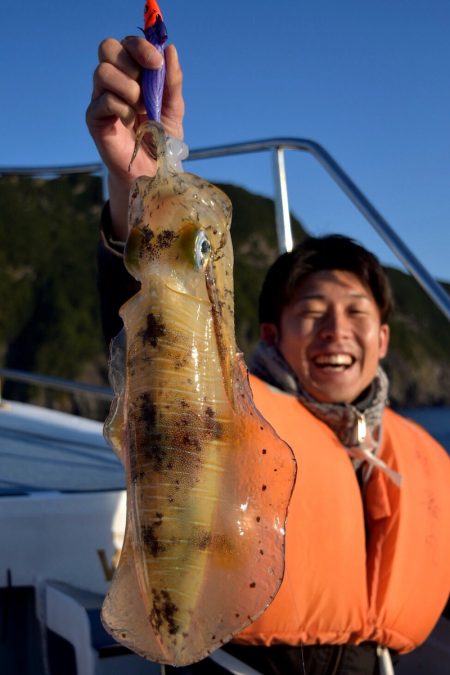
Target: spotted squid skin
point(203, 550)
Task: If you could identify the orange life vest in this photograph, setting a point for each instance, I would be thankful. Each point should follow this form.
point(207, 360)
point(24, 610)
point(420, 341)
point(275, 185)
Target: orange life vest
point(335, 590)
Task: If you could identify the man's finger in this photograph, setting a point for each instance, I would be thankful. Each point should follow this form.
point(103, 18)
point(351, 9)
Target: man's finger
point(173, 102)
point(109, 78)
point(106, 107)
point(144, 53)
point(112, 51)
point(174, 74)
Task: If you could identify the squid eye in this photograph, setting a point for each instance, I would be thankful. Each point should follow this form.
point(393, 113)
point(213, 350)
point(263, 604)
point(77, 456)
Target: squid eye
point(202, 250)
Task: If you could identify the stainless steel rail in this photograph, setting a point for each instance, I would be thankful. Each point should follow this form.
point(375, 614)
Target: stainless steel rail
point(278, 145)
point(46, 171)
point(57, 383)
point(284, 231)
point(95, 168)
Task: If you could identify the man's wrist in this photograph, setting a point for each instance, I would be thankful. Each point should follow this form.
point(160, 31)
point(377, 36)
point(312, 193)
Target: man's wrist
point(107, 234)
point(119, 191)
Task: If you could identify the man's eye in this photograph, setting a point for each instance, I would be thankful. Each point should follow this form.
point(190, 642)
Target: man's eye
point(312, 313)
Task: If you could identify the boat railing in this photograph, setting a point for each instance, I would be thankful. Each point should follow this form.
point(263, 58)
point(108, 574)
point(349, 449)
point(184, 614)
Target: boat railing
point(56, 383)
point(277, 147)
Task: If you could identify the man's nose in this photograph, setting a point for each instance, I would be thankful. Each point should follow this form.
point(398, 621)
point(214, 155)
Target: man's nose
point(334, 325)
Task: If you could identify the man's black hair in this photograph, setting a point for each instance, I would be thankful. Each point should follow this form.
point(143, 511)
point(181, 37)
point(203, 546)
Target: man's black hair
point(314, 254)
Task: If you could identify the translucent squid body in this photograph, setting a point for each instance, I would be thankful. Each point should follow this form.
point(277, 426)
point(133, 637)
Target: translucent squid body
point(208, 480)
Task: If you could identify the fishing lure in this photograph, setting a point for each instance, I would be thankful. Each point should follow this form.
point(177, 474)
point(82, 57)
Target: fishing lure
point(153, 80)
point(208, 479)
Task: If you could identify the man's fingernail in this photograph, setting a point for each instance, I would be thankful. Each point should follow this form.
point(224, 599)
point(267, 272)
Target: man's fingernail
point(129, 38)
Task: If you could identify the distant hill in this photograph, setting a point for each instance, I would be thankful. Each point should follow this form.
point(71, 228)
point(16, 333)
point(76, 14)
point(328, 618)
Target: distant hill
point(50, 322)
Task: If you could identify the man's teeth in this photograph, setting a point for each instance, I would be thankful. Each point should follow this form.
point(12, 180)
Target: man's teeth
point(334, 360)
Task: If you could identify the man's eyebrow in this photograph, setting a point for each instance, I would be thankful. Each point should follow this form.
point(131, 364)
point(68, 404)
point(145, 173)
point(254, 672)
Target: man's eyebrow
point(359, 295)
point(313, 295)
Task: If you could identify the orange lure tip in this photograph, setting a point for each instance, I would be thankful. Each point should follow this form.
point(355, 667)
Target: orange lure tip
point(151, 12)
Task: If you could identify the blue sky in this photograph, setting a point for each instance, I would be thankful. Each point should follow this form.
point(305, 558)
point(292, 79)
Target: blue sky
point(367, 80)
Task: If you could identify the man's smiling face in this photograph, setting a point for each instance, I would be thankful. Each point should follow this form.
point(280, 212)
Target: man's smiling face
point(331, 336)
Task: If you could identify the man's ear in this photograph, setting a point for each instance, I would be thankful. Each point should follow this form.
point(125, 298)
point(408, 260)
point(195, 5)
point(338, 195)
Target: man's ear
point(268, 333)
point(384, 339)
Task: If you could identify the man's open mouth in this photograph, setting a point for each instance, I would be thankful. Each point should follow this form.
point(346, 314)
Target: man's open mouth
point(334, 362)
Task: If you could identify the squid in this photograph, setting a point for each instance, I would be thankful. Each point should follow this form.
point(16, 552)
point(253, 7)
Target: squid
point(208, 479)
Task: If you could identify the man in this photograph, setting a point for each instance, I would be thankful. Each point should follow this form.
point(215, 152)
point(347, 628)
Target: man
point(367, 547)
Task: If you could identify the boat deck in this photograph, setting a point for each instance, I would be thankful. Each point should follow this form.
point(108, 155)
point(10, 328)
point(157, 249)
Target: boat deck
point(47, 450)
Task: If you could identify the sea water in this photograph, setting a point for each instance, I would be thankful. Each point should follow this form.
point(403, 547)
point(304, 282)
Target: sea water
point(435, 420)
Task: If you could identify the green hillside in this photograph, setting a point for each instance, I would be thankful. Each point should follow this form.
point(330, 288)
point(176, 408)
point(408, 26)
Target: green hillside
point(50, 322)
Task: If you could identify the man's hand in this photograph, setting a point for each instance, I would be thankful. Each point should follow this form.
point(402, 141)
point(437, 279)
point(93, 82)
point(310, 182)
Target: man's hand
point(116, 110)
